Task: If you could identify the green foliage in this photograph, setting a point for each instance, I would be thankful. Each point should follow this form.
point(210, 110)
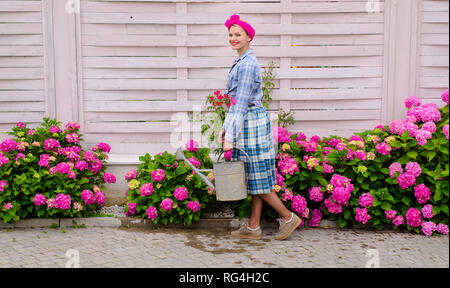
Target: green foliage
point(25, 177)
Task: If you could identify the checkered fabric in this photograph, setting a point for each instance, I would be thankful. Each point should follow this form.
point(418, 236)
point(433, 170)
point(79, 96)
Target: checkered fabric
point(256, 139)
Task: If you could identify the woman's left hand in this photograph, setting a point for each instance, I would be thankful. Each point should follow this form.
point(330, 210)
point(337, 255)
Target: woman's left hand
point(227, 146)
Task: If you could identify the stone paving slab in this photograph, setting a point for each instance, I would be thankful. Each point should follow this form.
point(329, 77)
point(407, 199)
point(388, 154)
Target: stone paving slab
point(214, 248)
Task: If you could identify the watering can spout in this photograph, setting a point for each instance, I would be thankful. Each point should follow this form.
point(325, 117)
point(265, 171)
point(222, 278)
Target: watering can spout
point(179, 156)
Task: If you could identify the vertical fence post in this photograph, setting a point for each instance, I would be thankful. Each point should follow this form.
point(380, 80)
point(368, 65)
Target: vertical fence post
point(49, 73)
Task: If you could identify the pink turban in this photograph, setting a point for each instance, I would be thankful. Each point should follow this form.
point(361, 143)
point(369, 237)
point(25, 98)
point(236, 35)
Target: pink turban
point(234, 19)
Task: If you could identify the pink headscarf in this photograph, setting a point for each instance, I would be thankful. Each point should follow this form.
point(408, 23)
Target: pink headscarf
point(234, 19)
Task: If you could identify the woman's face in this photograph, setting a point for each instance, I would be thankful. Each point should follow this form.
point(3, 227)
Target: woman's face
point(238, 38)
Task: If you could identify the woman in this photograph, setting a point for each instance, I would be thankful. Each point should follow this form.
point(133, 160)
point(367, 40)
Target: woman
point(247, 126)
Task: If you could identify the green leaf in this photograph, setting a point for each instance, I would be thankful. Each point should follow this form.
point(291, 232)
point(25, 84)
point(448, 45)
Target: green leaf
point(342, 223)
point(347, 214)
point(386, 205)
point(430, 155)
point(412, 154)
point(444, 208)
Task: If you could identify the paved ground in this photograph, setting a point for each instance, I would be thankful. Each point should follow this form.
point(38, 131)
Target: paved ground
point(136, 247)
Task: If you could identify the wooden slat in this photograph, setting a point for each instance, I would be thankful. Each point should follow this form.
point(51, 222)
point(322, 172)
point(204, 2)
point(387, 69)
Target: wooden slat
point(21, 73)
point(21, 96)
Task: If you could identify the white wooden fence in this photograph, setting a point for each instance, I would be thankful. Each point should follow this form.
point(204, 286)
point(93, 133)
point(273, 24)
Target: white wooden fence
point(122, 69)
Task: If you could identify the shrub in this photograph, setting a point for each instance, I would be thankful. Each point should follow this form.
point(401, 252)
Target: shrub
point(45, 172)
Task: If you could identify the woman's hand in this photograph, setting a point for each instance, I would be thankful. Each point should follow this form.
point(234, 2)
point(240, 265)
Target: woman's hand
point(222, 136)
point(227, 146)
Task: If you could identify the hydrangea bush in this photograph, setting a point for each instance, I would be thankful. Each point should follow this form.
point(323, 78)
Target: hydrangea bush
point(45, 172)
point(167, 191)
point(393, 175)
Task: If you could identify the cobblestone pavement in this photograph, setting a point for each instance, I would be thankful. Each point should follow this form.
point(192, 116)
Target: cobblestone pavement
point(182, 248)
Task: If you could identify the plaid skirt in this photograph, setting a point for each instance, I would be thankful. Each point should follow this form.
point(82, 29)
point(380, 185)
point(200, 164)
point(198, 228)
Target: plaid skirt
point(256, 139)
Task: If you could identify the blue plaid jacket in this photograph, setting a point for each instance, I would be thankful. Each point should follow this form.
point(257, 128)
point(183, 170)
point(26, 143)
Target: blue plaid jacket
point(245, 85)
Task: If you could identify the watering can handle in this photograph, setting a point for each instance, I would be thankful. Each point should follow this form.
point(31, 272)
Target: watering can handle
point(249, 161)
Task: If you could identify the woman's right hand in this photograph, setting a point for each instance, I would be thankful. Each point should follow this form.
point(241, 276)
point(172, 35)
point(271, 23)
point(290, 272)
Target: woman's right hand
point(222, 136)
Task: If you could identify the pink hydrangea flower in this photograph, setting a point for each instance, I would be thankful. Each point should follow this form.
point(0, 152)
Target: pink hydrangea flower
point(152, 213)
point(131, 209)
point(63, 167)
point(8, 205)
point(406, 180)
point(109, 178)
point(398, 220)
point(383, 148)
point(361, 215)
point(54, 129)
point(412, 101)
point(77, 206)
point(194, 206)
point(227, 155)
point(3, 159)
point(411, 128)
point(445, 131)
point(20, 125)
point(428, 228)
point(88, 197)
point(422, 136)
point(81, 165)
point(181, 193)
point(444, 96)
point(427, 211)
point(132, 174)
point(316, 218)
point(429, 126)
point(442, 228)
point(334, 208)
point(39, 199)
point(3, 184)
point(158, 175)
point(396, 126)
point(100, 198)
point(192, 145)
point(73, 126)
point(361, 155)
point(51, 144)
point(341, 195)
point(413, 168)
point(8, 145)
point(102, 146)
point(62, 201)
point(288, 165)
point(281, 135)
point(166, 204)
point(71, 175)
point(413, 218)
point(366, 200)
point(395, 167)
point(73, 138)
point(315, 194)
point(298, 204)
point(328, 169)
point(390, 214)
point(51, 203)
point(422, 193)
point(146, 189)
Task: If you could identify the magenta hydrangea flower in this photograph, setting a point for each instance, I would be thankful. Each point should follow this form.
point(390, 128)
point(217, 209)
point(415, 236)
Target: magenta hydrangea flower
point(54, 129)
point(71, 175)
point(63, 167)
point(406, 180)
point(288, 165)
point(361, 215)
point(81, 165)
point(422, 193)
point(100, 198)
point(429, 126)
point(334, 208)
point(51, 144)
point(194, 206)
point(8, 205)
point(315, 194)
point(341, 195)
point(192, 145)
point(3, 159)
point(3, 184)
point(396, 126)
point(427, 211)
point(102, 146)
point(73, 138)
point(8, 145)
point(422, 136)
point(152, 213)
point(88, 197)
point(43, 161)
point(383, 148)
point(131, 209)
point(298, 204)
point(20, 125)
point(109, 178)
point(395, 167)
point(428, 228)
point(366, 200)
point(412, 101)
point(444, 97)
point(442, 228)
point(63, 201)
point(390, 214)
point(158, 175)
point(132, 174)
point(339, 181)
point(281, 135)
point(411, 128)
point(146, 189)
point(39, 199)
point(445, 131)
point(327, 169)
point(166, 204)
point(413, 218)
point(361, 155)
point(73, 126)
point(181, 193)
point(316, 218)
point(398, 220)
point(413, 168)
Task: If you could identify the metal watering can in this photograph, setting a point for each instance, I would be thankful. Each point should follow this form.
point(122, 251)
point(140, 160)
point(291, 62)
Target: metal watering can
point(231, 182)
